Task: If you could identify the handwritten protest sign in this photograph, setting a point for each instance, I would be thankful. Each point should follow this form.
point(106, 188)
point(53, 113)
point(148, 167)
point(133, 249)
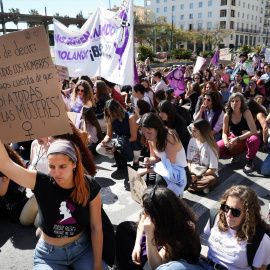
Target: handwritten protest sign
point(137, 185)
point(62, 72)
point(31, 104)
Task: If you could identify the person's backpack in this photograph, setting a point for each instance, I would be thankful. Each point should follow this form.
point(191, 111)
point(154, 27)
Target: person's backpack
point(253, 246)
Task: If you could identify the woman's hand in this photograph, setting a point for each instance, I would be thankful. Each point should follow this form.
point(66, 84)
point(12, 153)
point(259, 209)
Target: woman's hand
point(149, 227)
point(98, 267)
point(231, 143)
point(136, 254)
point(141, 172)
point(203, 107)
point(194, 178)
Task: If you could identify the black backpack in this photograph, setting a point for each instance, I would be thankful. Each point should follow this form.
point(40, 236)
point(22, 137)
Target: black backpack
point(253, 246)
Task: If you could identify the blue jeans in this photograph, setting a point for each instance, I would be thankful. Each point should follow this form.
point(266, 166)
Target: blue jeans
point(78, 254)
point(179, 265)
point(265, 169)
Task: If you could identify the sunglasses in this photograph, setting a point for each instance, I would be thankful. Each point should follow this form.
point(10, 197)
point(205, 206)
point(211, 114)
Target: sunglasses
point(197, 78)
point(207, 99)
point(223, 87)
point(252, 84)
point(152, 193)
point(79, 90)
point(235, 212)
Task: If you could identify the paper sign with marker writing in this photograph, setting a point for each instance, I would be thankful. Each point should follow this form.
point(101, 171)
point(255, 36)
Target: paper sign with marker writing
point(137, 185)
point(62, 72)
point(31, 105)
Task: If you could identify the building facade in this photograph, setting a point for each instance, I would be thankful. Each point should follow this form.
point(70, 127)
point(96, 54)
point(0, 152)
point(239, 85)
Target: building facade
point(247, 20)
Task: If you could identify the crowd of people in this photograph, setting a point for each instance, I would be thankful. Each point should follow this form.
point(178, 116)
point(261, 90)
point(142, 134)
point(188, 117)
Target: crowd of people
point(176, 139)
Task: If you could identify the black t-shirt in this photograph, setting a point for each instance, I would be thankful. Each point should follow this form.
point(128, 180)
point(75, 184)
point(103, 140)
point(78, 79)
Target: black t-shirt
point(59, 216)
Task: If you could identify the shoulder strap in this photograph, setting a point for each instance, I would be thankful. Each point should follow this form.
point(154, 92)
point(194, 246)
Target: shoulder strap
point(213, 213)
point(253, 245)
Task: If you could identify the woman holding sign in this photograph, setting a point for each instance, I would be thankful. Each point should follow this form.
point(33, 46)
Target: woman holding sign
point(73, 203)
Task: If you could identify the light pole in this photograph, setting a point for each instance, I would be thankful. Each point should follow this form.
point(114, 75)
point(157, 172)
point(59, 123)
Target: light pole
point(110, 4)
point(172, 32)
point(208, 43)
point(266, 40)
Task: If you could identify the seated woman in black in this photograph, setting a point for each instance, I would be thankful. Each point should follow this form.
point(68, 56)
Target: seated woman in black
point(127, 146)
point(173, 120)
point(12, 196)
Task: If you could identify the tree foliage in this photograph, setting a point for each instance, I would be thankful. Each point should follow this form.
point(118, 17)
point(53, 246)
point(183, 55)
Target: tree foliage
point(145, 52)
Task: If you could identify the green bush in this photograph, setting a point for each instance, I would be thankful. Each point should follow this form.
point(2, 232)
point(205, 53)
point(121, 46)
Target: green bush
point(145, 52)
point(246, 48)
point(181, 53)
point(206, 54)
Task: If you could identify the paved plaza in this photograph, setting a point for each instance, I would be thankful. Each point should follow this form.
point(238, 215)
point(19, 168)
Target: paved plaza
point(17, 242)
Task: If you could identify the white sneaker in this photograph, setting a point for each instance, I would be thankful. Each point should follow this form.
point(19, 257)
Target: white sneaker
point(206, 190)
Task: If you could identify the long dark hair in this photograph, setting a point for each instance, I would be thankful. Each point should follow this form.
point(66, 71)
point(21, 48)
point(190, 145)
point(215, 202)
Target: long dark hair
point(243, 106)
point(151, 120)
point(215, 100)
point(101, 90)
point(168, 108)
point(14, 156)
point(90, 117)
point(175, 224)
point(255, 108)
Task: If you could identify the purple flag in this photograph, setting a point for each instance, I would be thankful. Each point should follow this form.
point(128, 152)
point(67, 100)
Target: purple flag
point(176, 80)
point(136, 77)
point(215, 59)
point(263, 50)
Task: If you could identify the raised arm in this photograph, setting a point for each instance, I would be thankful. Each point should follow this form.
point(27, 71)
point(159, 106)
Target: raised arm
point(18, 174)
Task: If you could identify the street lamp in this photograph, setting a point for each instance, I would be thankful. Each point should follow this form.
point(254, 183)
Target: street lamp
point(172, 32)
point(266, 40)
point(208, 43)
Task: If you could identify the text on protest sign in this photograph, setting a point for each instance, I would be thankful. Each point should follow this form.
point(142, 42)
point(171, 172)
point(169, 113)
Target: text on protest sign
point(102, 47)
point(31, 104)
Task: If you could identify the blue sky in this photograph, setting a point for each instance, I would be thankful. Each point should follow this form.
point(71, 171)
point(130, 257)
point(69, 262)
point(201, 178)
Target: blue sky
point(64, 7)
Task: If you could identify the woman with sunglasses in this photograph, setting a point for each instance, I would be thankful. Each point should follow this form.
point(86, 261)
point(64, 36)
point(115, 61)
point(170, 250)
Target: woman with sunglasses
point(197, 78)
point(252, 90)
point(166, 232)
point(64, 241)
point(213, 111)
point(238, 125)
point(234, 228)
point(83, 96)
point(223, 90)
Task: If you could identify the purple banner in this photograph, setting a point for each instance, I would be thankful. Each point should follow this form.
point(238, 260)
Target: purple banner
point(176, 80)
point(215, 59)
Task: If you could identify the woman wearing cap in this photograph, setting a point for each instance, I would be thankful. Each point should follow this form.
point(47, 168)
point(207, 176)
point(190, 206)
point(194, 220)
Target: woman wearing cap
point(61, 246)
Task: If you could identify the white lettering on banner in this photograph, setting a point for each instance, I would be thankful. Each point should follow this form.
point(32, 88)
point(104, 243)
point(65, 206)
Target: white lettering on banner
point(102, 47)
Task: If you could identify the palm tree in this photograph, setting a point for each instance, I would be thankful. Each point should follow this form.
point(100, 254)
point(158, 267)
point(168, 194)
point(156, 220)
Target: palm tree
point(16, 12)
point(33, 12)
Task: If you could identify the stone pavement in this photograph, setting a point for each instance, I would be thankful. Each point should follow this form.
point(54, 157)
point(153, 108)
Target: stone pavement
point(17, 242)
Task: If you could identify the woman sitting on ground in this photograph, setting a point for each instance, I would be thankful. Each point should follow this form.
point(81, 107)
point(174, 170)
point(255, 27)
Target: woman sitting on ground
point(127, 147)
point(159, 238)
point(146, 84)
point(213, 111)
point(139, 94)
point(166, 146)
point(141, 108)
point(83, 96)
point(90, 124)
point(202, 157)
point(192, 95)
point(67, 201)
point(238, 125)
point(160, 84)
point(12, 196)
point(259, 116)
point(252, 90)
point(172, 120)
point(234, 231)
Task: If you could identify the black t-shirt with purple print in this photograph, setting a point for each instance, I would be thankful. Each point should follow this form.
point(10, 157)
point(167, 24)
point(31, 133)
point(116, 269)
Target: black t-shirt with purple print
point(59, 216)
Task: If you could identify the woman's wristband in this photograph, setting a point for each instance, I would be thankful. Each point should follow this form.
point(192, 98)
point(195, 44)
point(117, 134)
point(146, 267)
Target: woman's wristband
point(238, 138)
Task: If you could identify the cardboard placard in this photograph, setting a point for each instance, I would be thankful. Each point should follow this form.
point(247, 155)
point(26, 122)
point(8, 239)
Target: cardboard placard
point(62, 72)
point(267, 55)
point(31, 105)
point(224, 54)
point(137, 185)
point(72, 116)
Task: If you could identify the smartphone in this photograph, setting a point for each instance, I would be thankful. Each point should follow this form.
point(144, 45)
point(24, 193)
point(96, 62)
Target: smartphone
point(149, 164)
point(108, 147)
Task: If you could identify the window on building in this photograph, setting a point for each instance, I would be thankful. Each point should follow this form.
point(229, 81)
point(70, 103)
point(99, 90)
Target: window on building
point(244, 4)
point(182, 17)
point(191, 5)
point(165, 0)
point(256, 18)
point(252, 7)
point(247, 16)
point(238, 14)
point(210, 3)
point(223, 2)
point(239, 3)
point(190, 27)
point(182, 7)
point(199, 15)
point(173, 18)
point(233, 2)
point(182, 27)
point(261, 10)
point(231, 25)
point(243, 15)
point(241, 39)
point(248, 6)
point(232, 13)
point(165, 9)
point(166, 19)
point(190, 16)
point(222, 25)
point(223, 13)
point(209, 14)
point(251, 17)
point(209, 25)
point(173, 8)
point(260, 19)
point(257, 8)
point(157, 10)
point(200, 4)
point(199, 26)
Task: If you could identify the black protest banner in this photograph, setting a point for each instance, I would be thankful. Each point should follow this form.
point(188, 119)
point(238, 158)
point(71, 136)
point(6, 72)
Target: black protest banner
point(31, 105)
